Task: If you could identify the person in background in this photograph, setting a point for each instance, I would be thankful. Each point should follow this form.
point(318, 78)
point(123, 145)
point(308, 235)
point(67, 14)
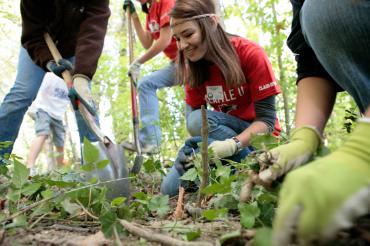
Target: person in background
point(155, 37)
point(78, 28)
point(331, 40)
point(228, 72)
point(49, 107)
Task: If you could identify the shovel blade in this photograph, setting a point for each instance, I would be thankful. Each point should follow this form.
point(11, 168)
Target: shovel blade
point(116, 171)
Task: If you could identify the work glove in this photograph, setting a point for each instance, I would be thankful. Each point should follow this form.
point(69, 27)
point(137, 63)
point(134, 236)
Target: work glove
point(225, 148)
point(185, 156)
point(303, 144)
point(60, 67)
point(327, 195)
point(130, 5)
point(134, 70)
point(80, 91)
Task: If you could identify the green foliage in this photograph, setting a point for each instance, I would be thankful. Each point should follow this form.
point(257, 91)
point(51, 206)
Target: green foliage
point(248, 214)
point(212, 214)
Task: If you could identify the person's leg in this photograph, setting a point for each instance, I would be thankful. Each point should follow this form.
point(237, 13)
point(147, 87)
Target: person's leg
point(16, 102)
point(58, 131)
point(42, 130)
point(150, 133)
point(339, 33)
point(221, 126)
point(35, 150)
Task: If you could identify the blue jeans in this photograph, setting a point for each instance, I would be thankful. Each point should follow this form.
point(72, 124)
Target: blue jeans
point(150, 132)
point(339, 33)
point(20, 97)
point(221, 126)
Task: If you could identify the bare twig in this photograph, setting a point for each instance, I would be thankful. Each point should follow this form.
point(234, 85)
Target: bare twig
point(204, 152)
point(38, 220)
point(159, 238)
point(69, 228)
point(87, 211)
point(179, 211)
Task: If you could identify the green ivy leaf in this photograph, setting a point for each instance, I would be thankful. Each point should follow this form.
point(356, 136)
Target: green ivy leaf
point(159, 204)
point(262, 141)
point(190, 175)
point(19, 221)
point(118, 201)
point(212, 214)
point(223, 171)
point(47, 194)
point(248, 214)
point(61, 184)
point(149, 166)
point(102, 164)
point(42, 209)
point(20, 175)
point(14, 195)
point(217, 188)
point(71, 208)
point(88, 167)
point(31, 189)
point(108, 221)
point(91, 153)
point(192, 235)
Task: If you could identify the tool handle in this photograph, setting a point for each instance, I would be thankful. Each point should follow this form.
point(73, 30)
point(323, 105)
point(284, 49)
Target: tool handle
point(57, 56)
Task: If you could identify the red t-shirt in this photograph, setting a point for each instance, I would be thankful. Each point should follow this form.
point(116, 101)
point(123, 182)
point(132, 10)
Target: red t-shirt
point(238, 101)
point(158, 18)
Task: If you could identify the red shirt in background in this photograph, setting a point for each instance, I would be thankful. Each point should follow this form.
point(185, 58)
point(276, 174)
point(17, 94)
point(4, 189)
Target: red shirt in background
point(238, 101)
point(158, 18)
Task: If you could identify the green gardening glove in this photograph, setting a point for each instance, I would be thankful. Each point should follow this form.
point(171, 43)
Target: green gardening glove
point(327, 195)
point(130, 5)
point(303, 144)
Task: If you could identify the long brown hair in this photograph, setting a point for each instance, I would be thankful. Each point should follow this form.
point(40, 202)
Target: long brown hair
point(219, 48)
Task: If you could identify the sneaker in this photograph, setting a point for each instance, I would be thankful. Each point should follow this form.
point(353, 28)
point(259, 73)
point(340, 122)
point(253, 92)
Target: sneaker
point(33, 171)
point(149, 149)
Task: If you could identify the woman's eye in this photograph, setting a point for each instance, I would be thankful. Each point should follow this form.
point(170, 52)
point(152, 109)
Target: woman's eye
point(188, 35)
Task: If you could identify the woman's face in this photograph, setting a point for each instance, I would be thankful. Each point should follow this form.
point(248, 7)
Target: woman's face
point(189, 39)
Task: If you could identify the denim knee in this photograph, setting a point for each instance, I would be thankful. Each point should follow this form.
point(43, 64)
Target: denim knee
point(194, 123)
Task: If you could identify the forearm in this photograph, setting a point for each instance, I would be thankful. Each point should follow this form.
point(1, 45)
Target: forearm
point(144, 36)
point(255, 128)
point(158, 46)
point(315, 100)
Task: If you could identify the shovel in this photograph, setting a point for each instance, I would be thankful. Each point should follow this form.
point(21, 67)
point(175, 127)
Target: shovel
point(115, 174)
point(135, 120)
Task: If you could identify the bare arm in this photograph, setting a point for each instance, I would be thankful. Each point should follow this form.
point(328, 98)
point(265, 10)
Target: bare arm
point(144, 36)
point(315, 100)
point(158, 45)
point(253, 129)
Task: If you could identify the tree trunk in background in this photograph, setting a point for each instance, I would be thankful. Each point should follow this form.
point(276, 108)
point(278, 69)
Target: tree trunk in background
point(219, 12)
point(282, 77)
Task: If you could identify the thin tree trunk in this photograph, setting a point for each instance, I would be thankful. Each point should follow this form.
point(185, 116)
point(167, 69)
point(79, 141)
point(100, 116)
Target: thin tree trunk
point(282, 78)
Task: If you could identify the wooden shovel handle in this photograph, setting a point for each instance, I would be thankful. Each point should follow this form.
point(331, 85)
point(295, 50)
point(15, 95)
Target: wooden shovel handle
point(57, 56)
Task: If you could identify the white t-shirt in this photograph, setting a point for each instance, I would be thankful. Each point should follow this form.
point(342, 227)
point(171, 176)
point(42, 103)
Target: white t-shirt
point(52, 96)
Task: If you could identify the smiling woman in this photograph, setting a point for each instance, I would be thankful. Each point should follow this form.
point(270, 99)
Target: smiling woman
point(228, 72)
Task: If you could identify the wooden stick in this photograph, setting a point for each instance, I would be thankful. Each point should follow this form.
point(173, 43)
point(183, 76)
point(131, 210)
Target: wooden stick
point(204, 152)
point(179, 211)
point(156, 237)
